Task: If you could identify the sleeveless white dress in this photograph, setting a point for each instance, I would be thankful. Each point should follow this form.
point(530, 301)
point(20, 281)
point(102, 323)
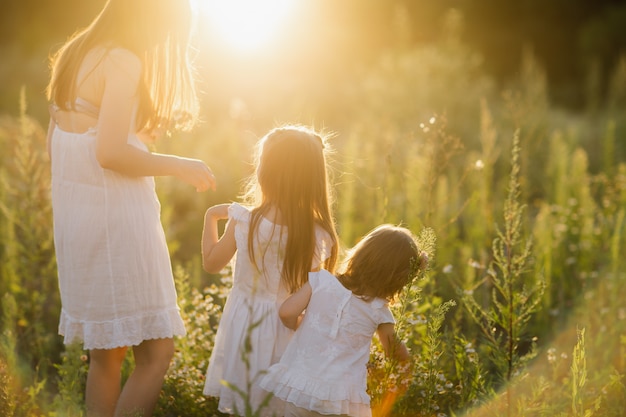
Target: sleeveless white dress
point(254, 298)
point(114, 270)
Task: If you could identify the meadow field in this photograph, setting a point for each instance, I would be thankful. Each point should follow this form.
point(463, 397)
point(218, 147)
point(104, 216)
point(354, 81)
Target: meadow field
point(520, 203)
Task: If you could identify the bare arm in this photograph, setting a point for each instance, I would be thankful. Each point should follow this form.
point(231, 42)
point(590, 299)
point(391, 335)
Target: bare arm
point(216, 251)
point(291, 309)
point(122, 76)
point(393, 347)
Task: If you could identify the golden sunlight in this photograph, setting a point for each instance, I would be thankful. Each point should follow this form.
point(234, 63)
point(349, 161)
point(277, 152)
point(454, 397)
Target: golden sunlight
point(245, 25)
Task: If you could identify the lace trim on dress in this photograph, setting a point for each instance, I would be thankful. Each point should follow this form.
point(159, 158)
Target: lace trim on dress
point(320, 396)
point(123, 332)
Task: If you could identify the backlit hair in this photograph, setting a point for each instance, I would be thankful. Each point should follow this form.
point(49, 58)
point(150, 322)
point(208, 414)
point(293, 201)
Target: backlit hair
point(292, 177)
point(382, 263)
point(157, 31)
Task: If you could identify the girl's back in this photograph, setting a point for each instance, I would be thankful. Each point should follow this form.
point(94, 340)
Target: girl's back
point(324, 367)
point(256, 294)
point(263, 279)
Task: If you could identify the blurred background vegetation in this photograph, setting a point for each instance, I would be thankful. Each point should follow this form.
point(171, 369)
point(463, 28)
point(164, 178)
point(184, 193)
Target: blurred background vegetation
point(496, 127)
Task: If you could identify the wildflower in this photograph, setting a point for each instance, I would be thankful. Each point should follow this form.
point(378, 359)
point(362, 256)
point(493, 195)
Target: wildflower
point(479, 165)
point(447, 269)
point(474, 264)
point(83, 358)
point(419, 319)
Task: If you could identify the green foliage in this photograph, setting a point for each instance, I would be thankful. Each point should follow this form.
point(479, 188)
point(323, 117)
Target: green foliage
point(579, 376)
point(184, 382)
point(72, 375)
point(419, 143)
point(503, 322)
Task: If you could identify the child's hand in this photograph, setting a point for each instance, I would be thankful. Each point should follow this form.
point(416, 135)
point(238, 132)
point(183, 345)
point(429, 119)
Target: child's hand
point(196, 173)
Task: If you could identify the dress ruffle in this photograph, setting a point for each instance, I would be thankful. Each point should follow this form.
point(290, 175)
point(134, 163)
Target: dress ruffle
point(320, 396)
point(121, 332)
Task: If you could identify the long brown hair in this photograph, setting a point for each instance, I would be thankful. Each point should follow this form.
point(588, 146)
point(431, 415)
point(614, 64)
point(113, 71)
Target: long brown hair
point(157, 31)
point(292, 177)
point(382, 263)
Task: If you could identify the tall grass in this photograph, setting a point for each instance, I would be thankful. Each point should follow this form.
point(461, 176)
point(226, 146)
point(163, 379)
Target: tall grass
point(430, 144)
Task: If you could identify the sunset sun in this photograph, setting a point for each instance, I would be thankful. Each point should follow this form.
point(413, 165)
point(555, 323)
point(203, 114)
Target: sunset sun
point(245, 24)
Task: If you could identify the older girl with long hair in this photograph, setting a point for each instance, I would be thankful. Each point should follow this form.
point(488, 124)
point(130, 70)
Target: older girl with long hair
point(123, 80)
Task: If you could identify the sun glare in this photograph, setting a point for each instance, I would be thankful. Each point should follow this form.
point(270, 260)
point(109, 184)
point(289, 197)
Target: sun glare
point(245, 24)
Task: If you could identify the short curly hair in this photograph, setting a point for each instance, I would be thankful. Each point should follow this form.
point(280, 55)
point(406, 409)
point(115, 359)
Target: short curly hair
point(382, 263)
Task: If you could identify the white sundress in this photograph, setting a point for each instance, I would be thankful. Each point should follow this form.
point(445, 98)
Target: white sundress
point(254, 296)
point(114, 270)
point(324, 368)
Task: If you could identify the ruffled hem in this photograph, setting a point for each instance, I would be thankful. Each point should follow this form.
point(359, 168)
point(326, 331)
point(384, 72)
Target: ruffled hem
point(129, 331)
point(320, 396)
point(232, 403)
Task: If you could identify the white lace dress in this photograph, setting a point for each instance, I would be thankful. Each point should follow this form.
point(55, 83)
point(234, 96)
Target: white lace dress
point(115, 276)
point(254, 297)
point(324, 368)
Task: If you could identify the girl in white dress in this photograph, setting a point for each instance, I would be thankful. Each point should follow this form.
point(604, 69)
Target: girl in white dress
point(120, 81)
point(286, 232)
point(323, 370)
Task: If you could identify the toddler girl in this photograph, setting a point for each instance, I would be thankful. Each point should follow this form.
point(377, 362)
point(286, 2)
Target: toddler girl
point(323, 370)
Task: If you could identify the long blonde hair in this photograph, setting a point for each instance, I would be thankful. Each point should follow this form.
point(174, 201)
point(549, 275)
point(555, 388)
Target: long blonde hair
point(157, 31)
point(292, 177)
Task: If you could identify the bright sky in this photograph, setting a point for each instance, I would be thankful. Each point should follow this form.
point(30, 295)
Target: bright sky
point(246, 25)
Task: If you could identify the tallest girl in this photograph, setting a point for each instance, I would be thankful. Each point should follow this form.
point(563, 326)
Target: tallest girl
point(114, 85)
